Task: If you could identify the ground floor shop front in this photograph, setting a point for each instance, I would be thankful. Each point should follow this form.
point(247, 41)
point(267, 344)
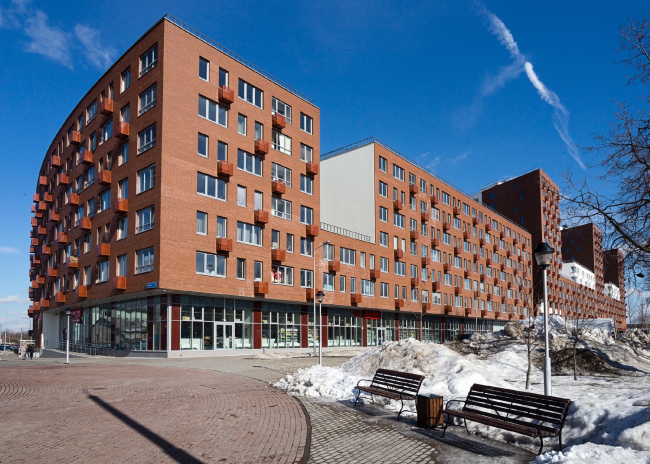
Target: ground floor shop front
point(182, 323)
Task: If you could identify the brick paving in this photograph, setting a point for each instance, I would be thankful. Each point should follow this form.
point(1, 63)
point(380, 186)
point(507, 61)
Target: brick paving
point(144, 414)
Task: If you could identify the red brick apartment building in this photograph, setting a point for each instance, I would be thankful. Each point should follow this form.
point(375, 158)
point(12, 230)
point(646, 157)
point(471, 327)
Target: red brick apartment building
point(579, 284)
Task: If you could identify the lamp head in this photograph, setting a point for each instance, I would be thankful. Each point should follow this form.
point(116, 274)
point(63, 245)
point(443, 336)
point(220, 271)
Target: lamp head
point(320, 295)
point(68, 312)
point(543, 255)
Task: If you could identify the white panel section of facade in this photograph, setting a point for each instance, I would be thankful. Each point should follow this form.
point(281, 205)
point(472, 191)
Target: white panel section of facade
point(579, 274)
point(612, 291)
point(51, 330)
point(348, 187)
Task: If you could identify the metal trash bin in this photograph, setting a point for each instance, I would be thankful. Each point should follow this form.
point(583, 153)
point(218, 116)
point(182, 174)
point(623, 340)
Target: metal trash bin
point(429, 408)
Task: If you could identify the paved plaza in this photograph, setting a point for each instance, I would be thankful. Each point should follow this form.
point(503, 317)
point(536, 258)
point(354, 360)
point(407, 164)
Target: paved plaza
point(205, 410)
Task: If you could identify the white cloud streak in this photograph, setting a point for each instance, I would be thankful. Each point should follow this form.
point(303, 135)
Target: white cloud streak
point(100, 57)
point(460, 157)
point(46, 40)
point(6, 249)
point(15, 299)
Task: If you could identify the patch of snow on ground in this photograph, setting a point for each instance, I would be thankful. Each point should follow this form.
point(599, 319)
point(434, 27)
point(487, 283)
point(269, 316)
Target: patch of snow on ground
point(590, 453)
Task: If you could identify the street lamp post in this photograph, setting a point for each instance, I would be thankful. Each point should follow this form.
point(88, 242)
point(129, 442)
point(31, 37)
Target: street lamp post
point(319, 296)
point(544, 256)
point(67, 337)
point(313, 286)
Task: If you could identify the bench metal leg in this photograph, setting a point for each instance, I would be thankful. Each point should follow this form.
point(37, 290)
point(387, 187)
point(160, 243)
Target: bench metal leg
point(400, 410)
point(466, 429)
point(446, 425)
point(560, 436)
point(541, 445)
point(358, 395)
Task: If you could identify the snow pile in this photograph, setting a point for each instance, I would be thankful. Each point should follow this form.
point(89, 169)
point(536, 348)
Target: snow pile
point(636, 339)
point(612, 412)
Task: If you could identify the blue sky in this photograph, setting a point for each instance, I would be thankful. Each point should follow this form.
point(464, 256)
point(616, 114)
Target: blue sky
point(426, 77)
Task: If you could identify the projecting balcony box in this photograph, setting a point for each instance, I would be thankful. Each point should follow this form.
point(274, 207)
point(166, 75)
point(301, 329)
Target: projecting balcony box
point(488, 227)
point(121, 206)
point(40, 280)
point(510, 284)
point(426, 307)
point(312, 169)
point(488, 262)
point(476, 257)
point(37, 306)
point(279, 121)
point(311, 230)
point(501, 234)
point(375, 274)
point(446, 225)
point(399, 303)
point(56, 161)
point(435, 242)
point(47, 197)
point(74, 137)
point(415, 281)
point(474, 220)
point(334, 266)
point(60, 297)
point(426, 261)
point(502, 265)
point(106, 107)
point(54, 216)
point(278, 255)
point(261, 288)
point(398, 205)
point(456, 211)
point(261, 147)
point(278, 187)
point(85, 223)
point(435, 286)
point(415, 235)
point(32, 249)
point(483, 312)
point(225, 169)
point(491, 297)
point(497, 281)
point(355, 298)
point(434, 200)
point(45, 303)
point(466, 235)
point(484, 277)
point(36, 197)
point(45, 250)
point(74, 199)
point(73, 262)
point(86, 157)
point(42, 180)
point(81, 291)
point(226, 95)
point(103, 249)
point(33, 208)
point(446, 267)
point(122, 130)
point(447, 308)
point(457, 250)
point(425, 216)
point(119, 283)
point(62, 237)
point(34, 222)
point(478, 294)
point(104, 177)
point(458, 290)
point(413, 189)
point(481, 241)
point(469, 312)
point(261, 216)
point(224, 245)
point(399, 254)
point(42, 206)
point(468, 273)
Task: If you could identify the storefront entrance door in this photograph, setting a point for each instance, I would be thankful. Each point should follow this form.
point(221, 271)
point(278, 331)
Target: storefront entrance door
point(224, 333)
point(381, 336)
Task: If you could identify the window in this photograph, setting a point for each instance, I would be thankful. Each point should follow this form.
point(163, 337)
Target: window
point(125, 81)
point(209, 264)
point(203, 145)
point(257, 271)
point(282, 108)
point(306, 184)
point(382, 164)
point(400, 268)
point(306, 153)
point(383, 263)
point(398, 219)
point(423, 186)
point(383, 239)
point(122, 227)
point(282, 275)
point(275, 239)
point(258, 200)
point(106, 132)
point(328, 282)
point(249, 234)
point(250, 93)
point(342, 284)
point(213, 111)
point(328, 252)
point(204, 69)
point(91, 207)
point(91, 111)
point(201, 223)
point(241, 196)
point(89, 176)
point(383, 214)
point(306, 123)
point(148, 60)
point(383, 189)
point(306, 247)
point(289, 243)
point(223, 78)
point(241, 269)
point(348, 256)
point(146, 178)
point(446, 199)
point(102, 271)
point(125, 114)
point(222, 228)
point(281, 173)
point(121, 266)
point(367, 287)
point(383, 288)
point(398, 173)
point(414, 271)
point(259, 131)
point(241, 124)
point(87, 243)
point(306, 278)
point(147, 138)
point(249, 163)
point(210, 186)
point(222, 151)
point(306, 215)
point(124, 154)
point(148, 98)
point(412, 178)
point(144, 220)
point(281, 208)
point(281, 142)
point(104, 200)
point(414, 249)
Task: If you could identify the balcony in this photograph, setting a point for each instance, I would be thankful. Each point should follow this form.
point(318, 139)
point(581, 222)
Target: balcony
point(426, 261)
point(104, 177)
point(261, 288)
point(483, 312)
point(497, 281)
point(446, 225)
point(46, 250)
point(40, 280)
point(312, 169)
point(426, 307)
point(448, 309)
point(456, 211)
point(425, 216)
point(334, 266)
point(262, 147)
point(434, 200)
point(491, 297)
point(399, 254)
point(413, 189)
point(106, 107)
point(481, 241)
point(458, 290)
point(42, 206)
point(54, 216)
point(355, 298)
point(103, 249)
point(279, 121)
point(469, 312)
point(86, 157)
point(34, 242)
point(278, 187)
point(261, 216)
point(278, 255)
point(119, 283)
point(36, 197)
point(415, 235)
point(226, 95)
point(478, 294)
point(309, 293)
point(446, 267)
point(42, 180)
point(74, 199)
point(501, 234)
point(74, 137)
point(85, 223)
point(435, 242)
point(375, 274)
point(121, 206)
point(398, 205)
point(62, 238)
point(474, 220)
point(56, 161)
point(457, 250)
point(73, 262)
point(399, 303)
point(488, 227)
point(435, 286)
point(224, 245)
point(122, 130)
point(34, 221)
point(484, 277)
point(488, 262)
point(415, 281)
point(311, 230)
point(476, 257)
point(225, 169)
point(60, 297)
point(81, 291)
point(45, 303)
point(468, 273)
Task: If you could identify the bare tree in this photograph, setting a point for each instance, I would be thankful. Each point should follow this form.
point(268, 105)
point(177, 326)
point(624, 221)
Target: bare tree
point(532, 342)
point(576, 331)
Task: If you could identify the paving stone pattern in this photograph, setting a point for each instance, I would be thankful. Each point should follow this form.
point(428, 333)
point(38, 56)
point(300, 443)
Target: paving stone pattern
point(142, 414)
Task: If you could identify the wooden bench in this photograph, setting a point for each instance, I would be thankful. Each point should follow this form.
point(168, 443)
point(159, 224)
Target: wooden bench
point(530, 414)
point(392, 384)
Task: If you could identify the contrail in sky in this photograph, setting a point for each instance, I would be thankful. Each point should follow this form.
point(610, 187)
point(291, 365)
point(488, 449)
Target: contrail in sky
point(560, 113)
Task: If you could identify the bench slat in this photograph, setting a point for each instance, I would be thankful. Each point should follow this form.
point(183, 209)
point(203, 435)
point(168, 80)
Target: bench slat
point(507, 391)
point(492, 421)
point(524, 399)
point(515, 409)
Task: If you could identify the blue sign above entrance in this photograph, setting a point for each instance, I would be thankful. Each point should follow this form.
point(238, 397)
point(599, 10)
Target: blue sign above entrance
point(151, 285)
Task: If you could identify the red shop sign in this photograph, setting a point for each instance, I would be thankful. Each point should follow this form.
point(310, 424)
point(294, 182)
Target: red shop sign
point(76, 316)
point(367, 313)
